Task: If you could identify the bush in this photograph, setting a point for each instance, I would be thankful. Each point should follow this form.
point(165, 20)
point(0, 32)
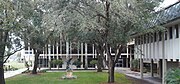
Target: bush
point(93, 62)
point(77, 63)
point(135, 63)
point(57, 62)
point(173, 76)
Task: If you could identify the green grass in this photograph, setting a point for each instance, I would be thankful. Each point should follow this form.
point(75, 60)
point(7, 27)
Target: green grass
point(54, 78)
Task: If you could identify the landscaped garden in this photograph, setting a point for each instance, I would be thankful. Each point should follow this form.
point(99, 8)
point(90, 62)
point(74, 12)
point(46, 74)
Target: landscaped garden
point(55, 78)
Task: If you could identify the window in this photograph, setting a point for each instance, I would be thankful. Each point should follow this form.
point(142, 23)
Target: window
point(165, 37)
point(177, 31)
point(155, 37)
point(144, 36)
point(148, 38)
point(160, 36)
point(170, 33)
point(26, 52)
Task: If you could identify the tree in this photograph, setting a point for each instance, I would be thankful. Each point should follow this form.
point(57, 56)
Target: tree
point(35, 34)
point(10, 41)
point(109, 24)
point(104, 23)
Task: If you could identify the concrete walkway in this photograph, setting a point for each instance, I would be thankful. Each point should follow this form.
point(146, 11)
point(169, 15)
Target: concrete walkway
point(9, 74)
point(146, 76)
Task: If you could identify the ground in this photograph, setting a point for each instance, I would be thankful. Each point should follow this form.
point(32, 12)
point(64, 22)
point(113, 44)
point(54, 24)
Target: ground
point(55, 78)
point(137, 81)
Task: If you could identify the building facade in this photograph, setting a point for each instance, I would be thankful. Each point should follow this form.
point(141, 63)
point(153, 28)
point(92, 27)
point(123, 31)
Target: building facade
point(77, 51)
point(161, 49)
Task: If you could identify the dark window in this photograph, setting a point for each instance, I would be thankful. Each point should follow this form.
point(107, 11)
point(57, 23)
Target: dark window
point(89, 48)
point(165, 37)
point(155, 37)
point(63, 47)
point(151, 35)
point(148, 38)
point(55, 49)
point(177, 31)
point(26, 52)
point(170, 33)
point(144, 38)
point(84, 48)
point(160, 36)
point(52, 49)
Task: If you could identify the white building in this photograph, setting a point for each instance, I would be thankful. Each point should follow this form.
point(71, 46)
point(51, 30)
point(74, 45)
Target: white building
point(81, 51)
point(161, 49)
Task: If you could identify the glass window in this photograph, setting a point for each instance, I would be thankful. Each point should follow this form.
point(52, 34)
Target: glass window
point(177, 31)
point(170, 33)
point(165, 37)
point(160, 36)
point(155, 37)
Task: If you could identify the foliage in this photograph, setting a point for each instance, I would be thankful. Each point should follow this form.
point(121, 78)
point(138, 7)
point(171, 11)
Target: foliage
point(135, 64)
point(57, 62)
point(172, 76)
point(93, 62)
point(77, 63)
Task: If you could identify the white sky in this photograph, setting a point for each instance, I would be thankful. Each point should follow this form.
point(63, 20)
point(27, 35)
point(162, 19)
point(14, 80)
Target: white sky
point(168, 2)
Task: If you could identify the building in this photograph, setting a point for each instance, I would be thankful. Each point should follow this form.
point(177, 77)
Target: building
point(78, 51)
point(161, 49)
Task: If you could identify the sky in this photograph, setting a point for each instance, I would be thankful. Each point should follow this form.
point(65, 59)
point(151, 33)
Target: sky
point(168, 2)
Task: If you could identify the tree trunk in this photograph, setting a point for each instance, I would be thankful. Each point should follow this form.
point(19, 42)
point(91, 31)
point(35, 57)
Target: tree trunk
point(2, 81)
point(34, 71)
point(111, 75)
point(111, 72)
point(100, 63)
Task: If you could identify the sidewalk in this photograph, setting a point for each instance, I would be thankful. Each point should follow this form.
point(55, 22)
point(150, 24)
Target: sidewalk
point(146, 76)
point(9, 74)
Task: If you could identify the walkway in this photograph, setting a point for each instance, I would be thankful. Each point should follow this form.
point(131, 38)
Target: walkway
point(9, 74)
point(132, 74)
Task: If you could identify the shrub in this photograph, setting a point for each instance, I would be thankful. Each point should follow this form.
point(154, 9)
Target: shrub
point(77, 63)
point(173, 76)
point(93, 62)
point(135, 63)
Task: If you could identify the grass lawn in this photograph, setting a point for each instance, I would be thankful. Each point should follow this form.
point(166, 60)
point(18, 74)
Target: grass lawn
point(54, 78)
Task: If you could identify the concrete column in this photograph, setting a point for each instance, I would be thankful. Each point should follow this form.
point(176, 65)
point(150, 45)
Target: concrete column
point(82, 54)
point(60, 47)
point(141, 59)
point(57, 50)
point(93, 52)
point(164, 62)
point(49, 56)
point(152, 65)
point(86, 62)
point(130, 57)
point(67, 50)
point(127, 56)
point(141, 68)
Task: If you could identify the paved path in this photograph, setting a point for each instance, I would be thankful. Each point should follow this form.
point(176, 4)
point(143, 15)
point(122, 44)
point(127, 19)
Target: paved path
point(9, 74)
point(136, 75)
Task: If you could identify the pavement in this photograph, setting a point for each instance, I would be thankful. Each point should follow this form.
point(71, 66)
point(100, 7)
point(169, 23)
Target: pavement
point(146, 76)
point(9, 74)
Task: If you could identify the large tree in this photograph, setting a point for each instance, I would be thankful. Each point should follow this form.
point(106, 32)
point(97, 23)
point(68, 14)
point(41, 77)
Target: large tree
point(36, 33)
point(105, 23)
point(108, 24)
point(10, 41)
